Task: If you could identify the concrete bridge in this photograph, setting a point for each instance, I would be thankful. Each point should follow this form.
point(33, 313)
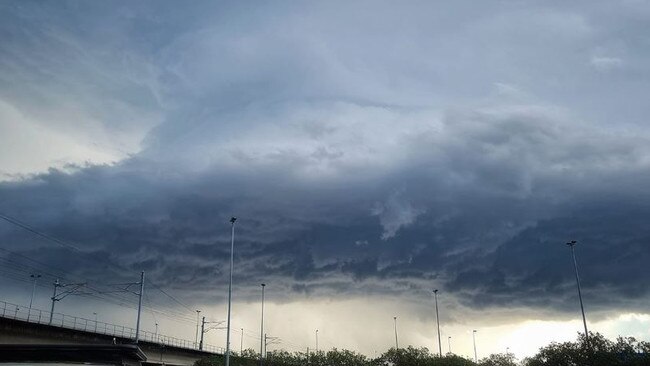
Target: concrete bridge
point(22, 326)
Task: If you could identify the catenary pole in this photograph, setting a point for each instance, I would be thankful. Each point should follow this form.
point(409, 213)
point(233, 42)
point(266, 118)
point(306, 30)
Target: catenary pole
point(56, 285)
point(202, 332)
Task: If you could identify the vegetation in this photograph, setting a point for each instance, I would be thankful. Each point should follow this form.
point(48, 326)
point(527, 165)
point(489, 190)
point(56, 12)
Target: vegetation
point(625, 351)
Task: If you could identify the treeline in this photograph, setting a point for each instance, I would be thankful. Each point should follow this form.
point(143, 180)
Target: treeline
point(625, 351)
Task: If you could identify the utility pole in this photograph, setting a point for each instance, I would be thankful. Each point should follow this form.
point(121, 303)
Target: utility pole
point(396, 344)
point(571, 244)
point(202, 332)
point(474, 340)
point(196, 338)
point(262, 329)
point(232, 253)
point(269, 340)
point(54, 299)
point(59, 296)
point(435, 295)
point(137, 324)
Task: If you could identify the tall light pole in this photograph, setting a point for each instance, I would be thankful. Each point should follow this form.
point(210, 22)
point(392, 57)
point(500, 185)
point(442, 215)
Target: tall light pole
point(262, 329)
point(316, 340)
point(396, 344)
point(196, 337)
point(34, 278)
point(137, 324)
point(474, 340)
point(572, 244)
point(95, 314)
point(435, 295)
point(449, 340)
point(241, 343)
point(155, 336)
point(232, 256)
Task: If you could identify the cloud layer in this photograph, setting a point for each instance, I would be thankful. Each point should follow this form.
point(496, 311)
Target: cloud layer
point(366, 148)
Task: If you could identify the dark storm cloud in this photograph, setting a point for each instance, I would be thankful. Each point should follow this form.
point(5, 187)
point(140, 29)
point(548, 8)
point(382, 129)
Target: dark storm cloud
point(484, 215)
point(358, 160)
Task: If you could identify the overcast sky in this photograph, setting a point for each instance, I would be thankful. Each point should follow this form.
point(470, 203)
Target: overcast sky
point(372, 151)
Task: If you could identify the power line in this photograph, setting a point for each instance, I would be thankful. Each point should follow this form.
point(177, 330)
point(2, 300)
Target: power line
point(15, 272)
point(73, 247)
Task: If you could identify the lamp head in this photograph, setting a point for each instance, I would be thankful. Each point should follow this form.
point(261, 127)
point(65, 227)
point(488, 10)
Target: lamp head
point(233, 219)
point(571, 243)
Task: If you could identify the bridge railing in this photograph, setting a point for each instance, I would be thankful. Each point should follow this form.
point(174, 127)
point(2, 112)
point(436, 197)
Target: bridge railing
point(17, 312)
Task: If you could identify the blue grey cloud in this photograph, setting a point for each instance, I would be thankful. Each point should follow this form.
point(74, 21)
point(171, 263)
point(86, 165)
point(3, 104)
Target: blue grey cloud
point(365, 147)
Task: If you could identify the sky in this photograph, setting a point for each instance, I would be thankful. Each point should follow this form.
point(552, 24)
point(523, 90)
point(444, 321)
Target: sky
point(372, 151)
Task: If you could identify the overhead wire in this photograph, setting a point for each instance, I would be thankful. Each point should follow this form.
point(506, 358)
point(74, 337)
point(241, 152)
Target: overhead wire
point(103, 295)
point(13, 270)
point(73, 247)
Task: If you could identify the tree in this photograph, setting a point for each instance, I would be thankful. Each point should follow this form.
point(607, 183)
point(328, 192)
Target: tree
point(599, 351)
point(499, 359)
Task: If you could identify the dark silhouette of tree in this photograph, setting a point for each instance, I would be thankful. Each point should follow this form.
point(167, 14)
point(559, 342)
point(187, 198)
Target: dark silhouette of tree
point(499, 359)
point(625, 351)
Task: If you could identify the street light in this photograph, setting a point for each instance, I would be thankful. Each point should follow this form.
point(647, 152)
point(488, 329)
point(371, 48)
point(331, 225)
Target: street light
point(396, 344)
point(435, 295)
point(474, 340)
point(572, 244)
point(155, 337)
point(34, 278)
point(232, 256)
point(449, 340)
point(262, 329)
point(95, 314)
point(196, 337)
point(316, 340)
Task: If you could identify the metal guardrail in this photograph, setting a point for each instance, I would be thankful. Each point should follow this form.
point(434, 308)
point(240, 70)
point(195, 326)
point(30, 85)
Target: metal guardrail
point(17, 312)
